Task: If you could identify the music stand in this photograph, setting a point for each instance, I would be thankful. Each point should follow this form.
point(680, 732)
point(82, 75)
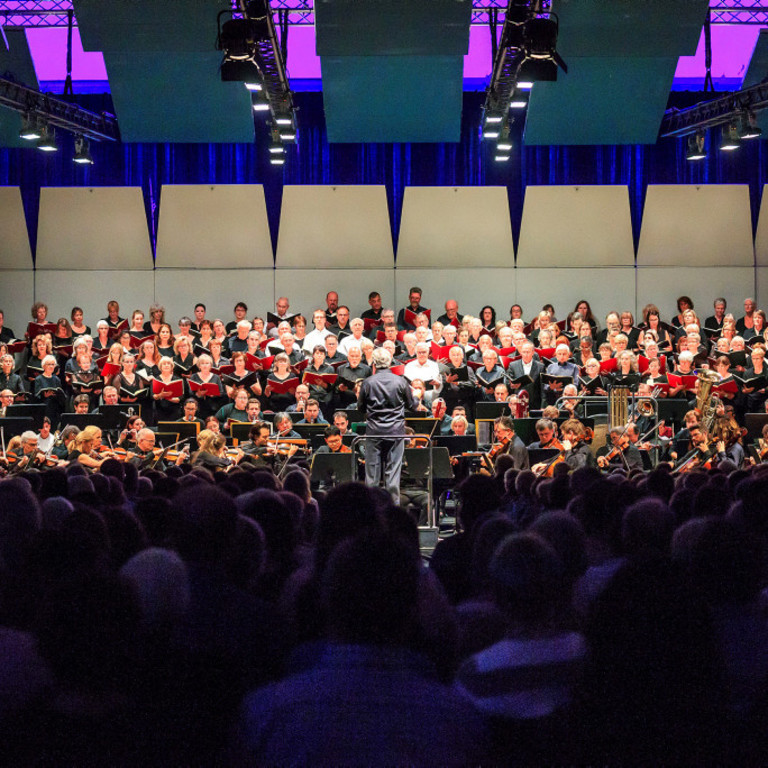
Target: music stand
point(187, 430)
point(422, 426)
point(456, 444)
point(755, 423)
point(491, 410)
point(333, 467)
point(34, 411)
point(240, 430)
point(114, 418)
point(166, 438)
point(15, 425)
point(308, 431)
point(83, 420)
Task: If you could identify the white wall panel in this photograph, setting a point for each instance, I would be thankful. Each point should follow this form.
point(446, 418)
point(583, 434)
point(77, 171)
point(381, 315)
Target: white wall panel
point(662, 285)
point(605, 288)
point(576, 226)
point(306, 288)
point(761, 239)
point(472, 288)
point(178, 290)
point(222, 226)
point(690, 225)
point(454, 227)
point(92, 289)
point(15, 252)
point(762, 287)
point(99, 228)
point(17, 292)
point(334, 227)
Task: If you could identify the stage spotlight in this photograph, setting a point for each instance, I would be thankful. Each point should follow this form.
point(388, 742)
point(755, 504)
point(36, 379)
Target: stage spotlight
point(696, 149)
point(276, 148)
point(47, 141)
point(260, 103)
point(82, 151)
point(277, 159)
point(730, 139)
point(30, 129)
point(748, 127)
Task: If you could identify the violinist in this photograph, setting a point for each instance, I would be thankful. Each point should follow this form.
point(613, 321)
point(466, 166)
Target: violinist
point(257, 445)
point(284, 427)
point(621, 454)
point(86, 449)
point(146, 455)
point(28, 455)
point(701, 454)
point(507, 442)
point(546, 429)
point(727, 435)
point(212, 453)
point(577, 453)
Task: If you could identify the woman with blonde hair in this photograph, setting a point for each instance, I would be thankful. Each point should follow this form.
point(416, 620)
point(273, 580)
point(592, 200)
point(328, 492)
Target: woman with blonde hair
point(85, 450)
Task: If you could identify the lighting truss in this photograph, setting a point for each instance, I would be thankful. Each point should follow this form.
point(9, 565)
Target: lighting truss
point(53, 13)
point(58, 113)
point(709, 114)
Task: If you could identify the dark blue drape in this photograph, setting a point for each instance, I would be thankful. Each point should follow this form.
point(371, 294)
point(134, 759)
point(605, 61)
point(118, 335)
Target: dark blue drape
point(397, 166)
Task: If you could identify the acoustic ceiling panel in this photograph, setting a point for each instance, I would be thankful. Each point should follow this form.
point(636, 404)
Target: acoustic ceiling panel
point(686, 225)
point(148, 25)
point(392, 98)
point(757, 72)
point(334, 227)
point(15, 252)
point(627, 28)
point(177, 98)
point(452, 227)
point(395, 27)
point(15, 63)
point(393, 71)
point(601, 101)
point(221, 226)
point(98, 228)
point(576, 226)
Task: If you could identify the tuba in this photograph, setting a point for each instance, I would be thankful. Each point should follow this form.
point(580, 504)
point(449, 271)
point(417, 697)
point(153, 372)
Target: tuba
point(706, 402)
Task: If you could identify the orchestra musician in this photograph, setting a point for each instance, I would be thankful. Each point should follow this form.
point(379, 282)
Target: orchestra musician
point(212, 453)
point(621, 454)
point(507, 442)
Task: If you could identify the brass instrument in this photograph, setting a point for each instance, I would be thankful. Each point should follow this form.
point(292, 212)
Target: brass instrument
point(706, 402)
point(618, 407)
point(645, 406)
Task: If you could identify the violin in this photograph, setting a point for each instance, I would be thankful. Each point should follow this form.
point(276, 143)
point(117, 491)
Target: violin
point(499, 448)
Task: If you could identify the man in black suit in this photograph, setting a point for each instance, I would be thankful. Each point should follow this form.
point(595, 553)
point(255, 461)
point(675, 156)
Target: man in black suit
point(528, 365)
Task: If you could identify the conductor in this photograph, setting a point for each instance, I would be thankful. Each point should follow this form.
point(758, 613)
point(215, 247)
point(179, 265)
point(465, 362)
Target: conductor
point(384, 396)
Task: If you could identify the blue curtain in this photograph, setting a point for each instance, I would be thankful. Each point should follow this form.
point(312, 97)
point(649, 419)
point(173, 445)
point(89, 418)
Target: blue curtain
point(397, 166)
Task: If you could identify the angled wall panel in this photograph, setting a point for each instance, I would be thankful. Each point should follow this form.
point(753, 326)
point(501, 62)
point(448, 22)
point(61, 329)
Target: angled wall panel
point(221, 226)
point(473, 288)
point(14, 238)
point(662, 285)
point(586, 226)
point(334, 227)
point(91, 289)
point(761, 240)
point(306, 288)
point(605, 288)
point(691, 225)
point(454, 227)
point(178, 290)
point(97, 228)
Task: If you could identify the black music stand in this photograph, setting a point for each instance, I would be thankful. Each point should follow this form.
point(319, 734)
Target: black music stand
point(34, 411)
point(83, 420)
point(331, 468)
point(15, 425)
